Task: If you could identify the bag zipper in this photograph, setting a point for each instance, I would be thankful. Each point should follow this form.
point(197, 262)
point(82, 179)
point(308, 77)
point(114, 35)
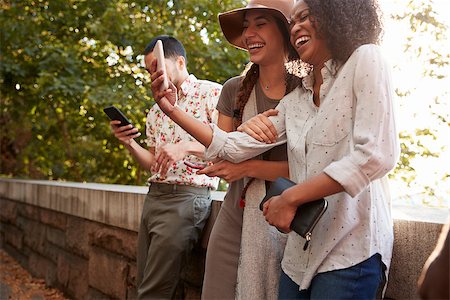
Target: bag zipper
point(309, 233)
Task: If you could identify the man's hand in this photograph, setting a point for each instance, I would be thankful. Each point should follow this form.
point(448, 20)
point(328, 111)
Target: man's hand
point(224, 169)
point(166, 155)
point(125, 134)
point(167, 99)
point(260, 127)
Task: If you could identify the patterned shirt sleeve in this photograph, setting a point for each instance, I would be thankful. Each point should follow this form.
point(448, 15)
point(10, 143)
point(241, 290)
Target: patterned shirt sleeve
point(212, 112)
point(150, 129)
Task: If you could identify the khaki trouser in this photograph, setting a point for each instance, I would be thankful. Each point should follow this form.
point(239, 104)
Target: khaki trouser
point(222, 256)
point(172, 219)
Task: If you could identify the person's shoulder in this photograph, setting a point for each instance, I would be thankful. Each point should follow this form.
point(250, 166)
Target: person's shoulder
point(367, 50)
point(232, 83)
point(293, 96)
point(154, 111)
point(209, 84)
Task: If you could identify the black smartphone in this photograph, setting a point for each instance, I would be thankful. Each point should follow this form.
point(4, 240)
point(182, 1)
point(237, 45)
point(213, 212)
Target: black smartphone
point(115, 114)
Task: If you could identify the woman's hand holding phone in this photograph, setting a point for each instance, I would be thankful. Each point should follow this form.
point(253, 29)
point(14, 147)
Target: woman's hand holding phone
point(166, 99)
point(158, 52)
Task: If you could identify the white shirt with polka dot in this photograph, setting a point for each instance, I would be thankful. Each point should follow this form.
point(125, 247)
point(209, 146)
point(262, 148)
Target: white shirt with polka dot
point(351, 137)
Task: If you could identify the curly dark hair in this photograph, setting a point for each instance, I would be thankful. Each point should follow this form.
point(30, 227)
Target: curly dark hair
point(346, 24)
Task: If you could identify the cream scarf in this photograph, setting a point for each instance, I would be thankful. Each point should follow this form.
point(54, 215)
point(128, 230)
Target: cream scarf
point(262, 245)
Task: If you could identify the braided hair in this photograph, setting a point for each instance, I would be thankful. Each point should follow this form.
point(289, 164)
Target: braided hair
point(250, 77)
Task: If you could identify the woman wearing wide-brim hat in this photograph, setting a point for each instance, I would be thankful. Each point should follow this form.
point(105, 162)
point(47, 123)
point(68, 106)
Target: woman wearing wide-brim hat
point(261, 28)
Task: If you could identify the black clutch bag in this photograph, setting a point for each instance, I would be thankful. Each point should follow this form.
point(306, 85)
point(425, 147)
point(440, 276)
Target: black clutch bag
point(307, 214)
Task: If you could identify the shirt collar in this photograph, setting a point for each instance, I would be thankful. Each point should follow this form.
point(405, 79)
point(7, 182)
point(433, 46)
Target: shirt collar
point(187, 84)
point(330, 69)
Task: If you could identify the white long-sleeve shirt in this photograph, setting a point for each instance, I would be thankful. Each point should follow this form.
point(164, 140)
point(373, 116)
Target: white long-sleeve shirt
point(351, 137)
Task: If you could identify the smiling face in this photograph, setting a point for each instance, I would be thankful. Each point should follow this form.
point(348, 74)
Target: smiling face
point(262, 38)
point(309, 44)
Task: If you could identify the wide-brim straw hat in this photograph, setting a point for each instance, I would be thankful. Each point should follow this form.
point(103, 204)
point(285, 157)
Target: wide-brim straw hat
point(232, 21)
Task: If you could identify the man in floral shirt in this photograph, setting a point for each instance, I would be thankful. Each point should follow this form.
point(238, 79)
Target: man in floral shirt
point(178, 202)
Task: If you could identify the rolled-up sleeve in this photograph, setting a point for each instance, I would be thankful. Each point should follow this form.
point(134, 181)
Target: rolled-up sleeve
point(235, 146)
point(375, 148)
point(238, 146)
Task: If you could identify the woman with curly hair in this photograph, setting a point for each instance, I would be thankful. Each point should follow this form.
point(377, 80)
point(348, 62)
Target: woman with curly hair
point(342, 142)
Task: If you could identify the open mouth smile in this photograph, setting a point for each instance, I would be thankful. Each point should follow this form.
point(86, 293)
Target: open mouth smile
point(255, 46)
point(302, 41)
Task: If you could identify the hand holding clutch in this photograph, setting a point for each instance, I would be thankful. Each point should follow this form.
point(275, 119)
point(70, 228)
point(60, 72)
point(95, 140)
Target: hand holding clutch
point(307, 214)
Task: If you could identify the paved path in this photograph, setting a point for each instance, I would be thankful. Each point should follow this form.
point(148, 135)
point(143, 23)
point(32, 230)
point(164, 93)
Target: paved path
point(17, 283)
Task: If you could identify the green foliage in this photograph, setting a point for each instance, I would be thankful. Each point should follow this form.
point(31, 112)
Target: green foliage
point(424, 25)
point(425, 45)
point(62, 61)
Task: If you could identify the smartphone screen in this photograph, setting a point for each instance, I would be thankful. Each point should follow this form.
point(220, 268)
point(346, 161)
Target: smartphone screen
point(116, 114)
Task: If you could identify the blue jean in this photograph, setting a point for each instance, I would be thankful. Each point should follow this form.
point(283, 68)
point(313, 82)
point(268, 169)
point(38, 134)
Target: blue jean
point(362, 281)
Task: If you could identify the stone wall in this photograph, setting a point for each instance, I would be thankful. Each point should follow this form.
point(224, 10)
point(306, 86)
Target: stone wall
point(85, 259)
point(81, 238)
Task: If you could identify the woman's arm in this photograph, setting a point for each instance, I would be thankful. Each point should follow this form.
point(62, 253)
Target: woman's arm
point(261, 169)
point(375, 144)
point(167, 100)
point(233, 146)
point(260, 127)
point(126, 135)
point(376, 148)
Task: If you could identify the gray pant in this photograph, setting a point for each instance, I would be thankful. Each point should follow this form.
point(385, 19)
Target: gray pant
point(172, 220)
point(222, 256)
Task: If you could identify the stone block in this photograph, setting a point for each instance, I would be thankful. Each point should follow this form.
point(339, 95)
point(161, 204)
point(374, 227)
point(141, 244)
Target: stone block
point(132, 273)
point(72, 275)
point(52, 252)
point(29, 212)
point(78, 233)
point(20, 222)
point(53, 218)
point(13, 236)
point(35, 237)
point(108, 273)
point(97, 295)
point(19, 256)
point(56, 236)
point(119, 241)
point(41, 267)
point(131, 281)
point(413, 243)
point(8, 213)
